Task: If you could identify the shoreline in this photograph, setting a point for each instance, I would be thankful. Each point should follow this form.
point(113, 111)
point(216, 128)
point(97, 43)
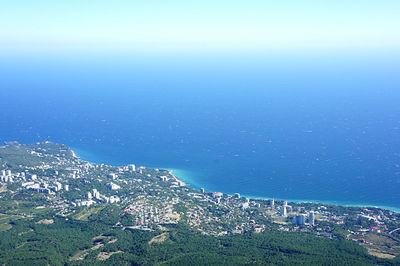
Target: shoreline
point(328, 202)
point(180, 175)
point(188, 180)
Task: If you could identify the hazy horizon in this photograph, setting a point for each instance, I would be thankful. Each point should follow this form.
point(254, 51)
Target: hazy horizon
point(207, 26)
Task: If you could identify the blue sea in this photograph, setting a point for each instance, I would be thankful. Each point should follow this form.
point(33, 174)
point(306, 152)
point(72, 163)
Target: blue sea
point(309, 127)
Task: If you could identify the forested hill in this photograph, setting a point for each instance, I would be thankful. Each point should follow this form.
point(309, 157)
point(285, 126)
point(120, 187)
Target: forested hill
point(95, 242)
point(17, 156)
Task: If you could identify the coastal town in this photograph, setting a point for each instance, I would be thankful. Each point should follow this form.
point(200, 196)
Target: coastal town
point(51, 177)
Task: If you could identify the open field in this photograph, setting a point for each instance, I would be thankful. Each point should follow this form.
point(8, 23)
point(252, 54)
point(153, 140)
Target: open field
point(85, 213)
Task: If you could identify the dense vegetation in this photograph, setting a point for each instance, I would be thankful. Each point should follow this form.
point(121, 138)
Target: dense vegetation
point(31, 242)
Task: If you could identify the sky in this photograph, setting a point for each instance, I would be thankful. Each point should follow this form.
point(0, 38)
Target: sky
point(207, 24)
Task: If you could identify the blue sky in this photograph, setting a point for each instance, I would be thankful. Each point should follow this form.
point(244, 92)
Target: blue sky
point(207, 24)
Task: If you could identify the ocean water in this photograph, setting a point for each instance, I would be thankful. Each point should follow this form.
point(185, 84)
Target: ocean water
point(302, 127)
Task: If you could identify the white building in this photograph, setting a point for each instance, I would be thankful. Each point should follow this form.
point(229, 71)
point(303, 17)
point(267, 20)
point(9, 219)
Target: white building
point(58, 186)
point(33, 186)
point(283, 211)
point(85, 203)
point(272, 203)
point(7, 179)
point(22, 175)
point(217, 194)
point(96, 194)
point(27, 184)
point(132, 167)
point(244, 206)
point(163, 178)
point(113, 176)
point(113, 186)
point(311, 218)
point(114, 199)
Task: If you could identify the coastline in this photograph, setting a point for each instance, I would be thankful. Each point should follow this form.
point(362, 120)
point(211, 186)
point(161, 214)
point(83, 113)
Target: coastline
point(186, 176)
point(328, 202)
point(86, 156)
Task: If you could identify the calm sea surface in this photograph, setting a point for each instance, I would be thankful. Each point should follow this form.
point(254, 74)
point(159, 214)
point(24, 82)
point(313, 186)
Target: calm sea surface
point(321, 128)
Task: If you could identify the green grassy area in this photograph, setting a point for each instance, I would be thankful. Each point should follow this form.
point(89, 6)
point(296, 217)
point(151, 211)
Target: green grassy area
point(17, 155)
point(84, 214)
point(5, 227)
point(5, 221)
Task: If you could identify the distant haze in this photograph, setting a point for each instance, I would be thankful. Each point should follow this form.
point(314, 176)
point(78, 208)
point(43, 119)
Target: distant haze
point(198, 25)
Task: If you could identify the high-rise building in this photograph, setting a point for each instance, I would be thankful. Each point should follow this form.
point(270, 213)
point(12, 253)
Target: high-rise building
point(299, 220)
point(132, 167)
point(202, 190)
point(311, 218)
point(272, 203)
point(283, 211)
